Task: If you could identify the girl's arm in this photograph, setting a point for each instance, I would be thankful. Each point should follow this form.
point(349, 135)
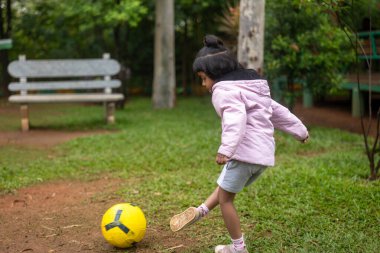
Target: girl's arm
point(231, 109)
point(286, 121)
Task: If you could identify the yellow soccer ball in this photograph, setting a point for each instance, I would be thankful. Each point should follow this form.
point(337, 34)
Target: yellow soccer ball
point(123, 225)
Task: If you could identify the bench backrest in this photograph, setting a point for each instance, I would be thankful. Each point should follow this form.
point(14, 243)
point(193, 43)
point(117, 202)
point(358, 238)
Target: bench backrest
point(86, 71)
point(63, 68)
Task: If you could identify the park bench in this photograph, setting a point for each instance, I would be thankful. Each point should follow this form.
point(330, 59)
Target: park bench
point(64, 81)
point(369, 49)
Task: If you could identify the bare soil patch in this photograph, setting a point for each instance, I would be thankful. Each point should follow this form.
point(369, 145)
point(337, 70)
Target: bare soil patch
point(335, 115)
point(42, 138)
point(65, 216)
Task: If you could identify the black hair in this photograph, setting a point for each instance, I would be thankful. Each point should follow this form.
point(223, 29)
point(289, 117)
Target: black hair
point(214, 59)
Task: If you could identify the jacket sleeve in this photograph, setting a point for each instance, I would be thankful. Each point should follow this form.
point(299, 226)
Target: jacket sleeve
point(286, 121)
point(231, 109)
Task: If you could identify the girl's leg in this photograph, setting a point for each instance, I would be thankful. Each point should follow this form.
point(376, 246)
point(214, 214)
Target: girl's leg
point(192, 214)
point(230, 216)
point(232, 222)
point(212, 201)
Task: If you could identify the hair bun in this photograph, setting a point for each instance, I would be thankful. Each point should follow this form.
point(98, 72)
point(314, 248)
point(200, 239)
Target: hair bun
point(213, 41)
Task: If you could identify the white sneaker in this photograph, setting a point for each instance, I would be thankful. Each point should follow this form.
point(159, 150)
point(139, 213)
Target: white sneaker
point(228, 249)
point(184, 219)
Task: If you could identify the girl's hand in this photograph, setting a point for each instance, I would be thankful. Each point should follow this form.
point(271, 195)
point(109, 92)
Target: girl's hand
point(305, 140)
point(221, 159)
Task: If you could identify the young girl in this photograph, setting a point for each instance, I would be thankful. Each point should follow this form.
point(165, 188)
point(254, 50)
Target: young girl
point(242, 99)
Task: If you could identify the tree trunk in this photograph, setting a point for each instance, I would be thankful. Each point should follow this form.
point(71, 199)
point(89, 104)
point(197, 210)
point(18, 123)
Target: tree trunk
point(2, 21)
point(251, 34)
point(116, 36)
point(120, 46)
point(5, 78)
point(5, 33)
point(164, 71)
point(185, 60)
point(9, 17)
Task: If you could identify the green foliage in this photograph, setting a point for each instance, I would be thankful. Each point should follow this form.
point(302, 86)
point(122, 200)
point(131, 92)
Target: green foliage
point(355, 15)
point(76, 29)
point(301, 36)
point(316, 199)
point(302, 42)
point(193, 20)
point(73, 28)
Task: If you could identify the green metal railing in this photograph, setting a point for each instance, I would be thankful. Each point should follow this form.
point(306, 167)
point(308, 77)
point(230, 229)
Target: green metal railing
point(5, 44)
point(374, 50)
point(369, 48)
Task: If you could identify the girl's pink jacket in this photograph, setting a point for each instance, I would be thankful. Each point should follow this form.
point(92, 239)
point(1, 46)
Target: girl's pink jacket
point(249, 117)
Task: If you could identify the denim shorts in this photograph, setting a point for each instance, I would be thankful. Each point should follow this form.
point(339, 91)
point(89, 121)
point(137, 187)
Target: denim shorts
point(236, 175)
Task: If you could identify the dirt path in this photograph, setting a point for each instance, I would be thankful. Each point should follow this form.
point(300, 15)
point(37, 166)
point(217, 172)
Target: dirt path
point(338, 116)
point(65, 216)
point(42, 138)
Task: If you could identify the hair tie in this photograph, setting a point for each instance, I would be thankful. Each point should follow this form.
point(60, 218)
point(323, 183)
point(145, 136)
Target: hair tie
point(209, 55)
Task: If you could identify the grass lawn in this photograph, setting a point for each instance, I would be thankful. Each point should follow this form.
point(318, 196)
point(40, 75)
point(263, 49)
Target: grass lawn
point(316, 199)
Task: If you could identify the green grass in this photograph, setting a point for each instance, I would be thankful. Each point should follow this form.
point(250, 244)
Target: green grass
point(316, 199)
point(56, 117)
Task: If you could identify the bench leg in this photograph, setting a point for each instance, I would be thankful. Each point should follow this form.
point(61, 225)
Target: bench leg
point(24, 118)
point(357, 103)
point(110, 113)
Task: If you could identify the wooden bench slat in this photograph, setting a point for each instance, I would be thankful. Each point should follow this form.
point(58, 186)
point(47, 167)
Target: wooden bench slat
point(63, 68)
point(65, 98)
point(65, 85)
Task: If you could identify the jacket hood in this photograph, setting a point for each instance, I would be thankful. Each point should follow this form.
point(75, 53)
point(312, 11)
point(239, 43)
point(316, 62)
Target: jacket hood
point(240, 74)
point(244, 79)
point(258, 86)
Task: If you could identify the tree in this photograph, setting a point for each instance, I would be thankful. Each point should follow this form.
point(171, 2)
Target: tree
point(5, 33)
point(193, 19)
point(251, 34)
point(228, 25)
point(164, 71)
point(304, 44)
point(74, 28)
point(77, 29)
point(350, 17)
point(47, 29)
